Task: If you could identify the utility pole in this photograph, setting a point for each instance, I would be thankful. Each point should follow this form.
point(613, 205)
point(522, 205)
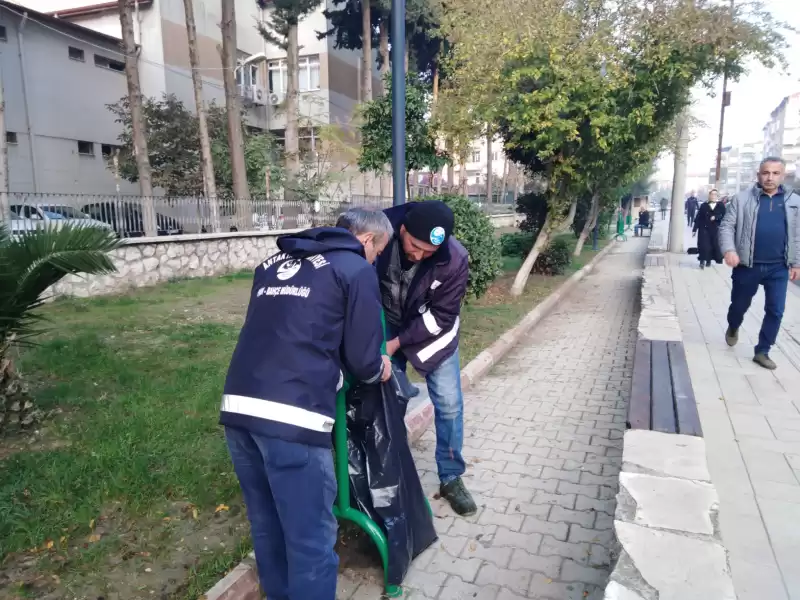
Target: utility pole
point(726, 101)
point(5, 207)
point(398, 101)
point(676, 224)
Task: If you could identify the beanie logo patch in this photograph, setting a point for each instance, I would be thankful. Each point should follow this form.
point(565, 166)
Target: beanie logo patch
point(437, 236)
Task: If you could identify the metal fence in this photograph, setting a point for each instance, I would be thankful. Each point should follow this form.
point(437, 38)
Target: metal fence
point(185, 214)
point(176, 215)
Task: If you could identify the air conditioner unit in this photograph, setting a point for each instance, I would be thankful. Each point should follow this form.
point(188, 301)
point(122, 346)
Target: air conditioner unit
point(274, 99)
point(258, 94)
point(246, 92)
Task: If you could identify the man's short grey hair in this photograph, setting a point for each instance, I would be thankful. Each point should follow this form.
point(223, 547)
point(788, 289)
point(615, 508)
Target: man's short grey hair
point(772, 159)
point(364, 220)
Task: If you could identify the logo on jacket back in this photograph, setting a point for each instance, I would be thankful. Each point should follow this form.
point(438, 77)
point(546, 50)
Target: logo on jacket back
point(289, 269)
point(437, 236)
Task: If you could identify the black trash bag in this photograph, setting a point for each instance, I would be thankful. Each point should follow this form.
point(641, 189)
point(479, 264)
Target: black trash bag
point(405, 388)
point(384, 482)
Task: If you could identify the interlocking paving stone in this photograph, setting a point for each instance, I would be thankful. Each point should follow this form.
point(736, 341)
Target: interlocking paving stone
point(542, 437)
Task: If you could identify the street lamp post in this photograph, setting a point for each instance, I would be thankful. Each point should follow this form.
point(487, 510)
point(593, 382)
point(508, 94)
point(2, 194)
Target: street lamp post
point(398, 102)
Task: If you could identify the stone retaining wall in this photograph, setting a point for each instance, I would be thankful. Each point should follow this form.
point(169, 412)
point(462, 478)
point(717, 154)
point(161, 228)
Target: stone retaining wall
point(150, 261)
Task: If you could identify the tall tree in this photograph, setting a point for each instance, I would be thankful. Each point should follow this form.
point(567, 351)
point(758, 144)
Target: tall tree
point(137, 120)
point(209, 182)
point(366, 52)
point(235, 136)
point(280, 29)
point(376, 132)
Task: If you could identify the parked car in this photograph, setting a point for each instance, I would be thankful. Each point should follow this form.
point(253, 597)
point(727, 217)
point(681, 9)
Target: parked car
point(29, 217)
point(126, 219)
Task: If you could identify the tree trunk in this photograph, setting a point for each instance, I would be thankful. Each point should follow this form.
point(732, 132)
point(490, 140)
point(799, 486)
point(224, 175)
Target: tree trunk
point(504, 186)
point(516, 183)
point(383, 48)
point(567, 223)
point(405, 57)
point(525, 270)
point(5, 206)
point(292, 136)
point(209, 183)
point(235, 132)
point(489, 172)
point(17, 409)
point(366, 42)
point(462, 176)
point(594, 211)
point(435, 82)
point(137, 119)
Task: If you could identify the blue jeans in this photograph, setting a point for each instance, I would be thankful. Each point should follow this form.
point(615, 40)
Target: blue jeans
point(289, 490)
point(775, 279)
point(444, 387)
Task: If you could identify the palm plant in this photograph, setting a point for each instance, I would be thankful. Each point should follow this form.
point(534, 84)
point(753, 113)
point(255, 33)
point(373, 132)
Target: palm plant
point(29, 264)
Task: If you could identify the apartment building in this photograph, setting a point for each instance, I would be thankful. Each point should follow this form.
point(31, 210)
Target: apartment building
point(782, 135)
point(57, 78)
point(329, 77)
point(738, 168)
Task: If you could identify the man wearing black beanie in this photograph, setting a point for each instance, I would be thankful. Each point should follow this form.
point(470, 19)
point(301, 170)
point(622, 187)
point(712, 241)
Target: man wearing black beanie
point(423, 276)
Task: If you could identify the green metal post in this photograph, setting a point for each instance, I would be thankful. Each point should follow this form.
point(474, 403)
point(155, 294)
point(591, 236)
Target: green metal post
point(342, 508)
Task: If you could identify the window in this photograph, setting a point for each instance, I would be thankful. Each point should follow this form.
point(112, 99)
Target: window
point(309, 142)
point(308, 68)
point(108, 63)
point(309, 73)
point(3, 34)
point(107, 150)
point(76, 53)
point(495, 155)
point(247, 75)
point(85, 148)
point(476, 156)
point(11, 137)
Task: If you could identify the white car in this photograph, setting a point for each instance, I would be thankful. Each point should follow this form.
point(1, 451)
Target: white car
point(29, 217)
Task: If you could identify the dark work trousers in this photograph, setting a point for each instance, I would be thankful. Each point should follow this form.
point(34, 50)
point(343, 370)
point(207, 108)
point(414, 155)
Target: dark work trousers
point(775, 279)
point(289, 490)
point(690, 217)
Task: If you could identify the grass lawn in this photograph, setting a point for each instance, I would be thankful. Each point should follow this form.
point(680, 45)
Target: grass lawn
point(127, 490)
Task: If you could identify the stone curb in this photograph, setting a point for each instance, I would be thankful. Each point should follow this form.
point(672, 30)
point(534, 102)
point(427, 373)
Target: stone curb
point(242, 582)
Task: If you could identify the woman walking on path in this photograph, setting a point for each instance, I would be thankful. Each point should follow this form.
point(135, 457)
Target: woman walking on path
point(707, 224)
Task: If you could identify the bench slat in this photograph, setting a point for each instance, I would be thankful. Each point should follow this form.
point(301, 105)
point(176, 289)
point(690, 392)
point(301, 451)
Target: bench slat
point(639, 407)
point(663, 410)
point(685, 405)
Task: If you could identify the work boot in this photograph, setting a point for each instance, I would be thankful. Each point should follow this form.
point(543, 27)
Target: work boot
point(732, 336)
point(702, 265)
point(762, 360)
point(459, 497)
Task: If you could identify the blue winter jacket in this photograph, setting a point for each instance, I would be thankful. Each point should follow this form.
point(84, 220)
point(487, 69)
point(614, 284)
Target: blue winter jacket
point(315, 312)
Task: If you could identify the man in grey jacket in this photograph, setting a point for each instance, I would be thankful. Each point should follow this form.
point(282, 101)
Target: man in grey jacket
point(760, 238)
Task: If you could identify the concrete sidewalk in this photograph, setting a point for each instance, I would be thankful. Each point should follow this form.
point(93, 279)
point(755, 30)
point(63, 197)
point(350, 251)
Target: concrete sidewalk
point(543, 443)
point(751, 424)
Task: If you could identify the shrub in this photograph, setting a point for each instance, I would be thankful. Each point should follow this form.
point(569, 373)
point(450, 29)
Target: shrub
point(475, 231)
point(518, 243)
point(555, 259)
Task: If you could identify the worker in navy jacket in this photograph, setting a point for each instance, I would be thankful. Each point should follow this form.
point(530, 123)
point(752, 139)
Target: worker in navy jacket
point(314, 313)
point(423, 276)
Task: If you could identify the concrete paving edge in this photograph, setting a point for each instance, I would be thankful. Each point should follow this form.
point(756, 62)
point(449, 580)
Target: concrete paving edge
point(242, 582)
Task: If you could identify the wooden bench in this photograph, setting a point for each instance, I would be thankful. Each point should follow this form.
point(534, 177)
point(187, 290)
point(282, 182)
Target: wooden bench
point(662, 398)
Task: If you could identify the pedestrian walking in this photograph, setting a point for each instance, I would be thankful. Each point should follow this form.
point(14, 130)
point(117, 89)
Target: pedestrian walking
point(760, 237)
point(691, 206)
point(314, 312)
point(664, 205)
point(706, 228)
point(423, 277)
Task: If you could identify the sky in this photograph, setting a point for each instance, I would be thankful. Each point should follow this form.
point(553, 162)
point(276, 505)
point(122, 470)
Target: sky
point(753, 98)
